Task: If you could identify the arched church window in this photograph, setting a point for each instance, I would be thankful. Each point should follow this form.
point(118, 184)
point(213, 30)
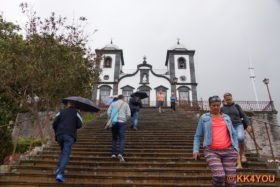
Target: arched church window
point(108, 62)
point(105, 92)
point(184, 94)
point(182, 63)
point(126, 92)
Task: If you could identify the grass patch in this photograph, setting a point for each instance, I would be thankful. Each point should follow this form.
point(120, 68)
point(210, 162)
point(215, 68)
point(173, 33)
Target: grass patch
point(89, 117)
point(24, 144)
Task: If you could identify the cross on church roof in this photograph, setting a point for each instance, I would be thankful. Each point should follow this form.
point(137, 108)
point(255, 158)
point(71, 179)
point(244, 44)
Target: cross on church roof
point(178, 41)
point(144, 60)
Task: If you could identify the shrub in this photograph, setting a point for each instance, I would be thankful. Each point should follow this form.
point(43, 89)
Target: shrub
point(24, 143)
point(6, 145)
point(88, 117)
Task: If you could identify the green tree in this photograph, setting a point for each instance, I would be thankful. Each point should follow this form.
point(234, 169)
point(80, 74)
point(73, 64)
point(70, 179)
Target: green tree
point(9, 39)
point(51, 61)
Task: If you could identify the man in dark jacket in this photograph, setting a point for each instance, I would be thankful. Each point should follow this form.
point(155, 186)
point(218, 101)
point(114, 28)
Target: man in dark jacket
point(65, 126)
point(134, 104)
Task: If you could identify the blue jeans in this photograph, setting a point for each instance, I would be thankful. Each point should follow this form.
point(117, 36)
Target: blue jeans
point(65, 142)
point(118, 138)
point(240, 132)
point(134, 119)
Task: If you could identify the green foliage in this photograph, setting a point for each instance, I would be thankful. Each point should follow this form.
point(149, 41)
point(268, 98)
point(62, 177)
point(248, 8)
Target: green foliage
point(7, 111)
point(24, 144)
point(6, 145)
point(88, 117)
point(38, 69)
point(7, 108)
point(52, 61)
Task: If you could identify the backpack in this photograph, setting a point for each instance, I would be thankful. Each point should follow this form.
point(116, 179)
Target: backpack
point(241, 117)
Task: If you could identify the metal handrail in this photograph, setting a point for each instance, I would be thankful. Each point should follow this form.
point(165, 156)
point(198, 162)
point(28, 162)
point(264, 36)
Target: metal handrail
point(257, 147)
point(263, 121)
point(248, 106)
point(202, 105)
point(268, 136)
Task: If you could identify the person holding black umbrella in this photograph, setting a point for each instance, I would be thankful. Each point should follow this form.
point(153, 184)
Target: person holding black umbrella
point(135, 104)
point(65, 126)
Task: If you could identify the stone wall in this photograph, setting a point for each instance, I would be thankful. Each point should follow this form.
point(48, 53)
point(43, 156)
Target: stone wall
point(27, 126)
point(261, 135)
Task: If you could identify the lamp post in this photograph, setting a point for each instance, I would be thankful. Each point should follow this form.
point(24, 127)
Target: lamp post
point(266, 82)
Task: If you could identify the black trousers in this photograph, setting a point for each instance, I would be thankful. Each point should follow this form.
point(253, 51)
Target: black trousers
point(173, 106)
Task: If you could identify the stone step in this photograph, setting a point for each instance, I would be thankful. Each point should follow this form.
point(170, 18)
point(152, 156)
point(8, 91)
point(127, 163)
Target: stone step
point(116, 163)
point(134, 152)
point(90, 146)
point(139, 178)
point(24, 183)
point(131, 156)
point(88, 179)
point(131, 148)
point(100, 184)
point(168, 137)
point(127, 171)
point(173, 141)
point(143, 132)
point(139, 142)
point(142, 129)
point(128, 157)
point(155, 119)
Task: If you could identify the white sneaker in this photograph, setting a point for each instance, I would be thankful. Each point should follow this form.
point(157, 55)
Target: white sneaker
point(113, 156)
point(121, 158)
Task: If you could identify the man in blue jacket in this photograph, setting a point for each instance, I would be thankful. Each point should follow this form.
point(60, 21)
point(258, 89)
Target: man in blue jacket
point(65, 126)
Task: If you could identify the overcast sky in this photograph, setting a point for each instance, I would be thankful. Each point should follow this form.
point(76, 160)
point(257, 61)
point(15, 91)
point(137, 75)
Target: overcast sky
point(226, 35)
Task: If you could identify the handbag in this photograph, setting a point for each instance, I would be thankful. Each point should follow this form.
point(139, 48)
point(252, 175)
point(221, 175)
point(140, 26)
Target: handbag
point(109, 123)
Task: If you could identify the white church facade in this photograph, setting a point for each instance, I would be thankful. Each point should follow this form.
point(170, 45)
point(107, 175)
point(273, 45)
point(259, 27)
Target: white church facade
point(179, 76)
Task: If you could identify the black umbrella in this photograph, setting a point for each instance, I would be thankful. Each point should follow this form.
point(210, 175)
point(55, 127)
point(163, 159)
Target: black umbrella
point(140, 94)
point(82, 103)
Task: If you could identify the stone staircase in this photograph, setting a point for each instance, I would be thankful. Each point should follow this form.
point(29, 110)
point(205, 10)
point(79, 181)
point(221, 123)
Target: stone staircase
point(158, 154)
